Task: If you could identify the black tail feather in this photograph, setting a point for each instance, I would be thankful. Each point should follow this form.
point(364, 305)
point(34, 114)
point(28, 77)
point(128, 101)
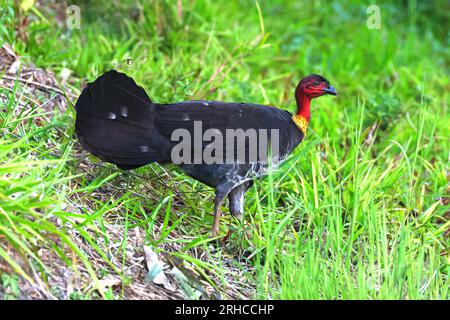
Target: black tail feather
point(115, 122)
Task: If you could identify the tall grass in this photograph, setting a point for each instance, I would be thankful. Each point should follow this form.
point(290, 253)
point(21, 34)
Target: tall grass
point(359, 240)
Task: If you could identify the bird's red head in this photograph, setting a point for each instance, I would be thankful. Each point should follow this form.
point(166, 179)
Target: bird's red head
point(311, 87)
point(314, 86)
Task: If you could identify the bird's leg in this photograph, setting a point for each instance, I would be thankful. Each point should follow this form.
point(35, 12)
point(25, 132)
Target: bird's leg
point(236, 200)
point(221, 193)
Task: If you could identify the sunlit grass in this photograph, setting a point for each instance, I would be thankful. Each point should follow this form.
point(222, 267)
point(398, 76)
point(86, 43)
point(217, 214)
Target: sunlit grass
point(360, 240)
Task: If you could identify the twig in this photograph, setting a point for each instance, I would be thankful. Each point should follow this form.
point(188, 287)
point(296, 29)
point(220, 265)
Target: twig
point(161, 182)
point(39, 85)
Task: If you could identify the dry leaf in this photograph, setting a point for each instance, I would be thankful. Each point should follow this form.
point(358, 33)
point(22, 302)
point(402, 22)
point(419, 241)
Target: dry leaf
point(156, 270)
point(14, 67)
point(109, 282)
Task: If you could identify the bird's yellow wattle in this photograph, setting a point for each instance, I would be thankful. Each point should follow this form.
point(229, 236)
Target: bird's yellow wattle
point(301, 122)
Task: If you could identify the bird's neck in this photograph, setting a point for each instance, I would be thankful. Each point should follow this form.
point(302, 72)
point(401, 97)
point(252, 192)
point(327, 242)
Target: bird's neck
point(301, 118)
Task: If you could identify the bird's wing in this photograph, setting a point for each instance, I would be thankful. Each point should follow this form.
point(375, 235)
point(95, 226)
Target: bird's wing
point(218, 115)
point(221, 116)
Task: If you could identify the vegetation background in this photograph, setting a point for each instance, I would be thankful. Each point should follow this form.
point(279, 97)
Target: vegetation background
point(359, 211)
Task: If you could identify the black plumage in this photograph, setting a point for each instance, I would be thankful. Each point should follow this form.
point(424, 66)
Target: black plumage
point(117, 122)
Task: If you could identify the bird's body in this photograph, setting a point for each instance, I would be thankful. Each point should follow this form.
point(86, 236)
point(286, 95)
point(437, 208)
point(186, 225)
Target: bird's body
point(118, 122)
point(231, 116)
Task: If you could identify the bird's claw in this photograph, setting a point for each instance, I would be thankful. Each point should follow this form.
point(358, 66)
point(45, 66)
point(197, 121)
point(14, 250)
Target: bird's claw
point(239, 216)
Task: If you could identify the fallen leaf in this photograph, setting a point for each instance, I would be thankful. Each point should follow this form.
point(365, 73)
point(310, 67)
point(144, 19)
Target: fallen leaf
point(14, 67)
point(109, 282)
point(156, 270)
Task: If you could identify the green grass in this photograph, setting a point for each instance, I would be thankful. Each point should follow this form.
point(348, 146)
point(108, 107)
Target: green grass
point(360, 209)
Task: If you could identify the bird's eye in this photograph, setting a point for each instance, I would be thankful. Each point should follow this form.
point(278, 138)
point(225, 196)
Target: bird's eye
point(316, 83)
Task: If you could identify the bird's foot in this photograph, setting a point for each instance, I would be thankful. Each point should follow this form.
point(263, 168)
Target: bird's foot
point(215, 230)
point(238, 215)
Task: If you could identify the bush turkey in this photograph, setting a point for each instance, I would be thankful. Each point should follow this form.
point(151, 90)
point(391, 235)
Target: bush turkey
point(117, 122)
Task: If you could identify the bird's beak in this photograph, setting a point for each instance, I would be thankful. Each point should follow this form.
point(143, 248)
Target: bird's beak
point(330, 90)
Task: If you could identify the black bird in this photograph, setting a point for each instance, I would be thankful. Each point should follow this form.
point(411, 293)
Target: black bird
point(117, 122)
